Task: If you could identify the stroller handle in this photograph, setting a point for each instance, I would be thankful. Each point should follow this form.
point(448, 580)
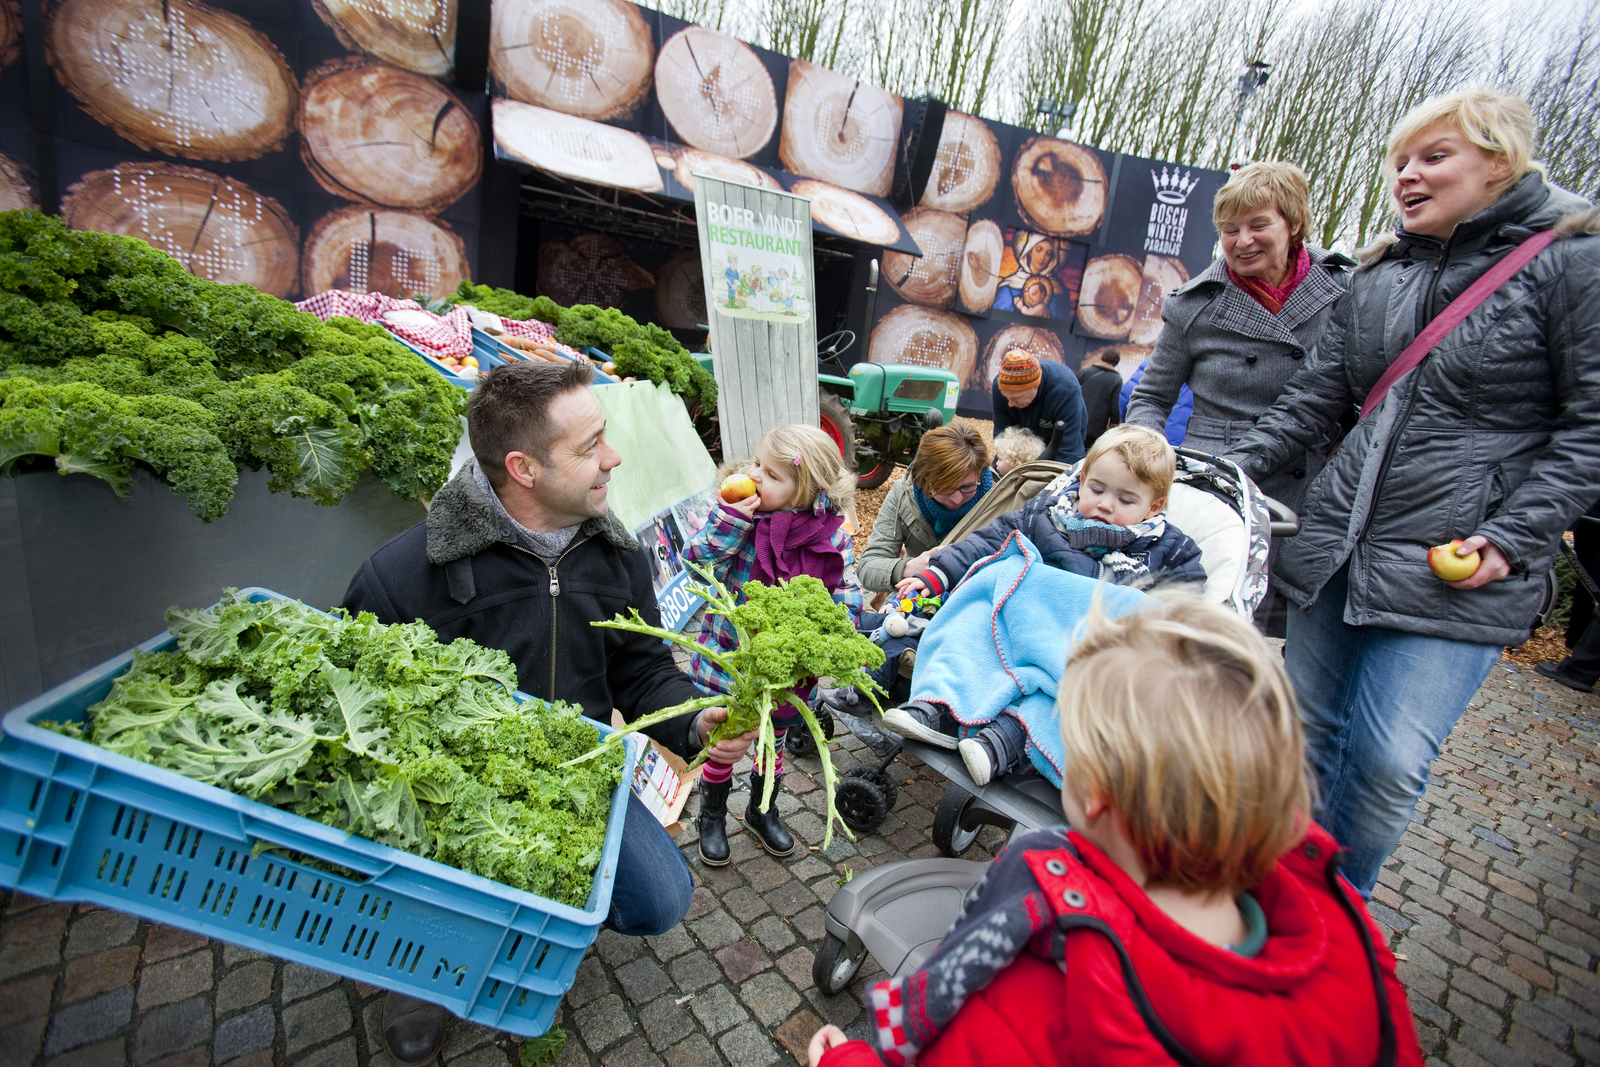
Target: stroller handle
point(1284, 522)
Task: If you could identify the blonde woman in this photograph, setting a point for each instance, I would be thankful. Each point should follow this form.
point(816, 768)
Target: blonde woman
point(1494, 439)
point(792, 525)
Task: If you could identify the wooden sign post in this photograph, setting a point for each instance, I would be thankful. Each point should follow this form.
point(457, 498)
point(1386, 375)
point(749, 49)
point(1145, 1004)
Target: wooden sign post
point(755, 252)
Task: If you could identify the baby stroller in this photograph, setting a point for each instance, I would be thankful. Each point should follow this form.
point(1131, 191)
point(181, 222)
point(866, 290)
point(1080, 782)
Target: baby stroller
point(899, 912)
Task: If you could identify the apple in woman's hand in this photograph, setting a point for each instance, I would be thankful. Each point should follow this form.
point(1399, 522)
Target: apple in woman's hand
point(737, 487)
point(1449, 566)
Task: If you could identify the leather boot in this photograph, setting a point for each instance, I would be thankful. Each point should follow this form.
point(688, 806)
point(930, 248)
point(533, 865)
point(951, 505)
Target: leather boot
point(712, 822)
point(413, 1029)
point(769, 831)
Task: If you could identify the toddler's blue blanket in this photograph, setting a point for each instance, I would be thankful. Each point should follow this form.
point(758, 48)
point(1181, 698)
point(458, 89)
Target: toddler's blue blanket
point(998, 645)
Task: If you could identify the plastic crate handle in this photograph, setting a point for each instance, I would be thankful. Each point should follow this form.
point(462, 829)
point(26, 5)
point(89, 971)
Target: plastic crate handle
point(265, 834)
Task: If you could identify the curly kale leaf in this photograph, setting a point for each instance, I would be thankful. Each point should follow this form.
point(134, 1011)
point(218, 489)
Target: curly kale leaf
point(507, 304)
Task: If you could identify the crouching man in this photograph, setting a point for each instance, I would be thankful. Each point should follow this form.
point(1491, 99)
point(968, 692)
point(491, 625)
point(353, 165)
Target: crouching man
point(520, 552)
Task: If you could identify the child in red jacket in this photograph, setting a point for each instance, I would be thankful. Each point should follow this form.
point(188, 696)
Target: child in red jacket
point(1192, 915)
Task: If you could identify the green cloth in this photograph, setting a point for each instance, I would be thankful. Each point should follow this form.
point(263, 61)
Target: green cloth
point(663, 459)
point(1255, 927)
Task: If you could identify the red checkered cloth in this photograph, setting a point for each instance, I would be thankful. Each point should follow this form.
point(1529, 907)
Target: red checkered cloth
point(437, 335)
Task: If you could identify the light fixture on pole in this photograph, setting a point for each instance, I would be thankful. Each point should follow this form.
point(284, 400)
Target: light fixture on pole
point(1062, 111)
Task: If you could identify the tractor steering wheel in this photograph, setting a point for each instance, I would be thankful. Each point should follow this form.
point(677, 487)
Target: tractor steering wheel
point(830, 346)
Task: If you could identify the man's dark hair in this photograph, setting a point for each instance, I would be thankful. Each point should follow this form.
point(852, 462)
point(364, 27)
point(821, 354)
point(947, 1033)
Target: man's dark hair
point(508, 411)
point(1110, 359)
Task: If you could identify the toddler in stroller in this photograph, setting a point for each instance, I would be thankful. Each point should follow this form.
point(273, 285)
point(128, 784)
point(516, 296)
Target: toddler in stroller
point(1110, 523)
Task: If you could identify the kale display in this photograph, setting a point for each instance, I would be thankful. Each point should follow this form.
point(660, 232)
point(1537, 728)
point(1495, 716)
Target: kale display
point(378, 730)
point(112, 355)
point(508, 304)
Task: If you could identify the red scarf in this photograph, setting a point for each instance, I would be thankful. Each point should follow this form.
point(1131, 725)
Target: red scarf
point(1273, 297)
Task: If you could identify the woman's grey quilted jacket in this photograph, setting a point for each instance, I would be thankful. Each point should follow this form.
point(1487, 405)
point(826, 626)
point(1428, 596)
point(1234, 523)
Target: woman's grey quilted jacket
point(1496, 433)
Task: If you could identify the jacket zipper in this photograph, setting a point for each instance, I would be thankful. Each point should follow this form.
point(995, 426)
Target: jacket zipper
point(1405, 416)
point(555, 591)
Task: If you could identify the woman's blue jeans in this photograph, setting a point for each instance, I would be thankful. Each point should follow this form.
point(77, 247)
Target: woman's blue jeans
point(653, 887)
point(1376, 704)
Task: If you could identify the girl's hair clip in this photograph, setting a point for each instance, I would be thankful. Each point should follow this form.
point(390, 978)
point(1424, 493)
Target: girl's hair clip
point(797, 461)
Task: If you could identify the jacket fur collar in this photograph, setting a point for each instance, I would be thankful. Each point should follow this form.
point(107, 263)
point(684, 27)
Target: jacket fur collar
point(461, 523)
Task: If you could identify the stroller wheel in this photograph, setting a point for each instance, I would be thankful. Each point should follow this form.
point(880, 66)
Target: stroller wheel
point(834, 966)
point(870, 771)
point(948, 835)
point(861, 804)
point(799, 742)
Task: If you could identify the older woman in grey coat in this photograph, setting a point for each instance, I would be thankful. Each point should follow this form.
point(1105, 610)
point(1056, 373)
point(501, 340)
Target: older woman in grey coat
point(1237, 332)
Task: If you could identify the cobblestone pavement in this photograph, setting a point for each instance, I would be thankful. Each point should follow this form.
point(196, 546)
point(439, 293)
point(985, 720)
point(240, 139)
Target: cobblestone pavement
point(1492, 900)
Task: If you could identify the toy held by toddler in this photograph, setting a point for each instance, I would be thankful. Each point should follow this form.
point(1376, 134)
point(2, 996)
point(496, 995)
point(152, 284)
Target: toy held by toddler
point(792, 525)
point(1192, 913)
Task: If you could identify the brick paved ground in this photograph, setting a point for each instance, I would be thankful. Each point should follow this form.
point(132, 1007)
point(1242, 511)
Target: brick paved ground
point(1492, 899)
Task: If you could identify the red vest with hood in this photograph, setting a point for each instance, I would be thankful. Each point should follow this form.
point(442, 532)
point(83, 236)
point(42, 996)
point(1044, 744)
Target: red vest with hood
point(1137, 989)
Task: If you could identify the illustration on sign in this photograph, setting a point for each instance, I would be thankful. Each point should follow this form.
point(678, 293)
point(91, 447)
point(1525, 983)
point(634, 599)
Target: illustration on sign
point(760, 263)
point(662, 539)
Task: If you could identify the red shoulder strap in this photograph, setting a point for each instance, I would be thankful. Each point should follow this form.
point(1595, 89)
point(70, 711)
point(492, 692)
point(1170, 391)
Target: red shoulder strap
point(1451, 316)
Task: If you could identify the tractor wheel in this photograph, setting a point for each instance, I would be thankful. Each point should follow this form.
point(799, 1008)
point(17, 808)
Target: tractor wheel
point(837, 424)
point(870, 475)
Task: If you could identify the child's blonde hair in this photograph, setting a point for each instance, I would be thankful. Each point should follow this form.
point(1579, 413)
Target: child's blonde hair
point(1016, 446)
point(1181, 719)
point(820, 465)
point(1147, 454)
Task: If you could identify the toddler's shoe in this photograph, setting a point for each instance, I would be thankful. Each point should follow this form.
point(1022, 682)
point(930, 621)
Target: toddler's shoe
point(920, 721)
point(979, 755)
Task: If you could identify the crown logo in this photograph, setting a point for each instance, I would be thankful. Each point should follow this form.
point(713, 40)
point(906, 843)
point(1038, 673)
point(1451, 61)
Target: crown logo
point(1173, 188)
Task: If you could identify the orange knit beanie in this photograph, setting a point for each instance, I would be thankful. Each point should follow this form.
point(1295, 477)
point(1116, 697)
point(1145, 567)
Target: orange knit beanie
point(1019, 370)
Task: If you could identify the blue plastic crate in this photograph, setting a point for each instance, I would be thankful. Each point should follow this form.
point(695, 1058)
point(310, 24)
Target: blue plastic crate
point(80, 823)
point(487, 347)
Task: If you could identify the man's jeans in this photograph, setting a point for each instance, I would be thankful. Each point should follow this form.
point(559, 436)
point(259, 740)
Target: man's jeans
point(652, 891)
point(1376, 704)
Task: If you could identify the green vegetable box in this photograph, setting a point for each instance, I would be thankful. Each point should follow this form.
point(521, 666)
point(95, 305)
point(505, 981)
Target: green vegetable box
point(385, 737)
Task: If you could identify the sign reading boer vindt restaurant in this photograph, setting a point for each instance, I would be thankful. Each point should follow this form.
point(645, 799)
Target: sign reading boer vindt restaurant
point(755, 255)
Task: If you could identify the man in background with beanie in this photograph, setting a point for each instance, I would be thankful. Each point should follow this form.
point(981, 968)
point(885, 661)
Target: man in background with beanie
point(1036, 396)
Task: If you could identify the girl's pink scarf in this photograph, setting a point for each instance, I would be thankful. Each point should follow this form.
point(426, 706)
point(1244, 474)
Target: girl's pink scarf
point(791, 543)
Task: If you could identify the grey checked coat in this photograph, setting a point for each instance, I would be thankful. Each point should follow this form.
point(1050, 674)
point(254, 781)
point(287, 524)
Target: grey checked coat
point(1496, 433)
point(1237, 357)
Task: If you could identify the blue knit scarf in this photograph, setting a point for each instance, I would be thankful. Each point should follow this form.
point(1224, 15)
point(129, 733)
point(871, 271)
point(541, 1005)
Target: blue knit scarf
point(944, 519)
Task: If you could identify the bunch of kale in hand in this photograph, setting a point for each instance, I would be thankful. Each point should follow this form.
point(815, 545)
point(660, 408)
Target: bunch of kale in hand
point(789, 634)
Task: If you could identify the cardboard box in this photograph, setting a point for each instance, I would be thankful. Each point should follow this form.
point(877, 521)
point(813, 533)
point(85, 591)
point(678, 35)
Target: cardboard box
point(661, 781)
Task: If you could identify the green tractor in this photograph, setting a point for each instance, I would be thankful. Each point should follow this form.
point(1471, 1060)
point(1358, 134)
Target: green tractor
point(876, 412)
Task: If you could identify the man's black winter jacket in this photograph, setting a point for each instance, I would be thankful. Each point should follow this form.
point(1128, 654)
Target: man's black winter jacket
point(464, 577)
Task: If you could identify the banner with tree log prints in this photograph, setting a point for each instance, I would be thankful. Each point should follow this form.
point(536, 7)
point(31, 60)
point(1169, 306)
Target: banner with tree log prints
point(296, 148)
point(756, 263)
point(1034, 242)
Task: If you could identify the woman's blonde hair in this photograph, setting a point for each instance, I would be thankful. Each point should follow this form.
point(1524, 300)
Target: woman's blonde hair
point(1016, 446)
point(819, 465)
point(1281, 186)
point(1148, 455)
point(1496, 122)
point(1180, 718)
point(947, 457)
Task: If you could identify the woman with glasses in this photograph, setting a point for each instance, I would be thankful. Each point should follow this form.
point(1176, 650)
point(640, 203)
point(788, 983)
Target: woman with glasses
point(949, 474)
